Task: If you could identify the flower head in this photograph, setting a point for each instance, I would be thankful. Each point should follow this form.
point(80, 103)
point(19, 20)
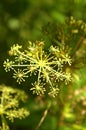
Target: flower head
point(8, 65)
point(19, 75)
point(38, 88)
point(14, 49)
point(10, 105)
point(54, 91)
point(47, 66)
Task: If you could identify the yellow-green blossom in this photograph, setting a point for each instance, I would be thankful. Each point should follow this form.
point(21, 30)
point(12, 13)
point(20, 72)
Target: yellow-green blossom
point(10, 105)
point(48, 66)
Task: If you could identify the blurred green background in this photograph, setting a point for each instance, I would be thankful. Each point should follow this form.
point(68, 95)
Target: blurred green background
point(22, 20)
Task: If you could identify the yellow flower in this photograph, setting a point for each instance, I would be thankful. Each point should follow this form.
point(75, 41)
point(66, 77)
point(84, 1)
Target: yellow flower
point(47, 66)
point(38, 88)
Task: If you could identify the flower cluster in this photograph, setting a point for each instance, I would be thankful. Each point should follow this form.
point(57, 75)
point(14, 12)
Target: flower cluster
point(9, 105)
point(49, 67)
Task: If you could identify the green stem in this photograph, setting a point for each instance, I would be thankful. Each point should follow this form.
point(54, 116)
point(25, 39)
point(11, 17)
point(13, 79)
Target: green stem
point(4, 123)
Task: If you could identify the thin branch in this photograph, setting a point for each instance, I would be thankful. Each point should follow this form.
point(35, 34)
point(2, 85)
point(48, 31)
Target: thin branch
point(43, 117)
point(77, 46)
